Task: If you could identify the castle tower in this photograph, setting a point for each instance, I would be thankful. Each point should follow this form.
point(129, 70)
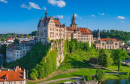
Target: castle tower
point(46, 15)
point(98, 35)
point(73, 21)
point(42, 29)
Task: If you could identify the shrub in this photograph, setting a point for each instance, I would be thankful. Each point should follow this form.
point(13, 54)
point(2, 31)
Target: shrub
point(88, 78)
point(127, 74)
point(100, 75)
point(34, 74)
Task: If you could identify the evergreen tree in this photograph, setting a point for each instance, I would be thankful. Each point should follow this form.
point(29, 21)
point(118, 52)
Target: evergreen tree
point(103, 58)
point(100, 75)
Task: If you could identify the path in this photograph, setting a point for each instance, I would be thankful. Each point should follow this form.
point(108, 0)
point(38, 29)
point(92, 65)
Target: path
point(74, 78)
point(114, 72)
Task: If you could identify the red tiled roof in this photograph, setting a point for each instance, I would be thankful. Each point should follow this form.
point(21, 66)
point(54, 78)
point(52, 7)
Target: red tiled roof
point(84, 31)
point(11, 75)
point(10, 39)
point(70, 28)
point(57, 22)
point(109, 39)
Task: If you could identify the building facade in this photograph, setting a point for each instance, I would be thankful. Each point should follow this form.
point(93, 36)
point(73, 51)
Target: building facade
point(51, 29)
point(106, 43)
point(16, 76)
point(17, 51)
point(128, 42)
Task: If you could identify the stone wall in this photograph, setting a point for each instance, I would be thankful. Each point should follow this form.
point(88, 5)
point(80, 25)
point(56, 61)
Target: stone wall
point(59, 45)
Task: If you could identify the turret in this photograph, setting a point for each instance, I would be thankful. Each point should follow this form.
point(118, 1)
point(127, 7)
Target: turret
point(46, 15)
point(73, 21)
point(98, 35)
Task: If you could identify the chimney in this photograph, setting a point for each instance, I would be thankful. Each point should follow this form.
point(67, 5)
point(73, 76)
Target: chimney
point(20, 68)
point(17, 67)
point(24, 74)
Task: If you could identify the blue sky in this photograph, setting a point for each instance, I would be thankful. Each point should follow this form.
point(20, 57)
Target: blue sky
point(22, 16)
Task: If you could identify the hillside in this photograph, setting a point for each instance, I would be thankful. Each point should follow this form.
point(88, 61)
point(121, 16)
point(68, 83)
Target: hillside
point(37, 61)
point(78, 55)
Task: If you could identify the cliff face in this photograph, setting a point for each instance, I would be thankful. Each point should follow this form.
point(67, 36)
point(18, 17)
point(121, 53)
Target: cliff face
point(59, 45)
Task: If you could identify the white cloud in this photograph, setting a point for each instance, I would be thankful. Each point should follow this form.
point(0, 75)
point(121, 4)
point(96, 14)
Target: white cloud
point(59, 3)
point(31, 5)
point(60, 16)
point(25, 6)
point(4, 1)
point(44, 8)
point(101, 13)
point(120, 17)
point(93, 16)
point(75, 15)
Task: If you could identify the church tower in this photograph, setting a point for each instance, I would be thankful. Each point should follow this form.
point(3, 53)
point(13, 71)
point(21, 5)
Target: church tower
point(73, 21)
point(98, 35)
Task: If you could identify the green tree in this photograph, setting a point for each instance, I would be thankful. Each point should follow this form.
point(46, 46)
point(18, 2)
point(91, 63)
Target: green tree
point(103, 58)
point(127, 74)
point(16, 41)
point(3, 50)
point(88, 78)
point(118, 55)
point(34, 33)
point(100, 75)
point(3, 39)
point(28, 36)
point(34, 74)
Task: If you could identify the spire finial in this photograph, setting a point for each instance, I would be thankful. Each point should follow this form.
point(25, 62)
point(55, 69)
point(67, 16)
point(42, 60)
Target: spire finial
point(73, 15)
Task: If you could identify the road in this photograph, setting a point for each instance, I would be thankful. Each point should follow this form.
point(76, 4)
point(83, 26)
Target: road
point(74, 78)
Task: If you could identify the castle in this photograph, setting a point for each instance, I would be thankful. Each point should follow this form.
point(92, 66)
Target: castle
point(51, 29)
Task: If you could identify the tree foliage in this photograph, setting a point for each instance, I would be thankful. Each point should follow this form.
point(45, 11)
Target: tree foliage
point(118, 55)
point(88, 78)
point(100, 75)
point(73, 45)
point(34, 33)
point(103, 58)
point(16, 40)
point(3, 50)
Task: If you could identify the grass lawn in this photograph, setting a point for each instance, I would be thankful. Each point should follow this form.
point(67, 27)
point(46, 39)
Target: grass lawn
point(122, 69)
point(115, 76)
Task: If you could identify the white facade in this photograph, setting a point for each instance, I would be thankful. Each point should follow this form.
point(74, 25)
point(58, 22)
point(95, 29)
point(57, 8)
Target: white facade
point(51, 29)
point(15, 51)
point(128, 42)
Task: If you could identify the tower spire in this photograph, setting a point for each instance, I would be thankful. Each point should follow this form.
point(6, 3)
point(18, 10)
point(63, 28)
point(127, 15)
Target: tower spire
point(73, 21)
point(98, 34)
point(46, 14)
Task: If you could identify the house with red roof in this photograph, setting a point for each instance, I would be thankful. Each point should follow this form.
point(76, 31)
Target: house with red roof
point(16, 76)
point(106, 43)
point(10, 39)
